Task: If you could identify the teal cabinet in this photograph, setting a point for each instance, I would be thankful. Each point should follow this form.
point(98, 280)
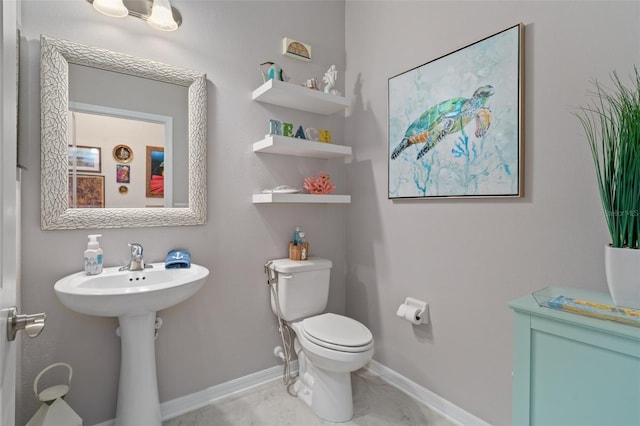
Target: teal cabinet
point(569, 369)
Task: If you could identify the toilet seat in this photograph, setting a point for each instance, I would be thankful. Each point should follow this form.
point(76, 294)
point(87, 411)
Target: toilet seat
point(337, 332)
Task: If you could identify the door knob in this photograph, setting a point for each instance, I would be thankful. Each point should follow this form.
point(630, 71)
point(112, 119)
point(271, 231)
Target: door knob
point(31, 324)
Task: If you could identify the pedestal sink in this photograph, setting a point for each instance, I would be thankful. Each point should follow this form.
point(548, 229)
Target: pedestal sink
point(134, 297)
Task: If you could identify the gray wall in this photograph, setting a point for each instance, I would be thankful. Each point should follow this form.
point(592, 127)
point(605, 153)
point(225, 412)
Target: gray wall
point(227, 330)
point(468, 258)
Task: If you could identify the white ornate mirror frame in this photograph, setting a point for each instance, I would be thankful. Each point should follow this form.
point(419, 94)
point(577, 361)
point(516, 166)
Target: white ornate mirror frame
point(56, 55)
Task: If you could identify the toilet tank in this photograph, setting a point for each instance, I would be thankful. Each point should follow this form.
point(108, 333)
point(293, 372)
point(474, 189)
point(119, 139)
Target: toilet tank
point(303, 287)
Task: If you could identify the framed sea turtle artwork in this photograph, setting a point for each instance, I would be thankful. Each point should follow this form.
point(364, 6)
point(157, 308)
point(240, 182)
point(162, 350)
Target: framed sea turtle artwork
point(455, 123)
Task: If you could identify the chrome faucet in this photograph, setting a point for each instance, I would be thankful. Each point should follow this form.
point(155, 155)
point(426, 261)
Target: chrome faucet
point(136, 263)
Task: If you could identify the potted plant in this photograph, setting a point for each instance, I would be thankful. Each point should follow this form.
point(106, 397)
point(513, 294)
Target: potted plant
point(612, 126)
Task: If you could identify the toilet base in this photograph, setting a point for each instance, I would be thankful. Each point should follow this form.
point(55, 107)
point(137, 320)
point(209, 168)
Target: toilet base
point(327, 393)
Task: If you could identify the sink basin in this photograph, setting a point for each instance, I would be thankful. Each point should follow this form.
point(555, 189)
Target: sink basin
point(116, 293)
point(133, 297)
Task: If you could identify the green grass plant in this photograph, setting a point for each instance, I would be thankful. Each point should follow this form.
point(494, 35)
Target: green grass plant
point(612, 126)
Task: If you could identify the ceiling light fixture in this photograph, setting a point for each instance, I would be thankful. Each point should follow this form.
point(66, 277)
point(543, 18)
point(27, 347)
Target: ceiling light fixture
point(161, 17)
point(113, 8)
point(159, 14)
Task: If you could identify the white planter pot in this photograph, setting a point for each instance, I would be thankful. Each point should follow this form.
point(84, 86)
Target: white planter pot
point(622, 267)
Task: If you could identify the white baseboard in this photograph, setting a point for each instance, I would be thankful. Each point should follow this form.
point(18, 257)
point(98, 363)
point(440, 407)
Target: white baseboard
point(111, 422)
point(176, 407)
point(444, 407)
point(185, 404)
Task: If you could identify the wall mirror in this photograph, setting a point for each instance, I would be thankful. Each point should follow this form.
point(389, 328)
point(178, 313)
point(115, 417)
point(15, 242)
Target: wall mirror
point(78, 80)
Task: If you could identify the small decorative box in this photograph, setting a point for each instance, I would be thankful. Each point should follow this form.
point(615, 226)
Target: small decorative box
point(299, 252)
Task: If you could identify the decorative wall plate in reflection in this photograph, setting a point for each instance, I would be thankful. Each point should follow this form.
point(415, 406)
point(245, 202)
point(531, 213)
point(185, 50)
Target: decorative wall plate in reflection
point(123, 189)
point(122, 153)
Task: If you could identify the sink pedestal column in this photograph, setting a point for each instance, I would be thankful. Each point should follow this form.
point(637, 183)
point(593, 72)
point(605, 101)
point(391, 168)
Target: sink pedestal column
point(138, 400)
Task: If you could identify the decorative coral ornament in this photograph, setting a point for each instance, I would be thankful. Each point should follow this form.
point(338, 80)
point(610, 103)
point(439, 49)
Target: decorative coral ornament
point(319, 185)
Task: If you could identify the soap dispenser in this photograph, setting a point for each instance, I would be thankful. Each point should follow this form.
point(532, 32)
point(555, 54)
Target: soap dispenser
point(93, 256)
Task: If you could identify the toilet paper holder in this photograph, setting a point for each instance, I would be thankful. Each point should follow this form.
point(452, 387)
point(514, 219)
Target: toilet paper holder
point(414, 310)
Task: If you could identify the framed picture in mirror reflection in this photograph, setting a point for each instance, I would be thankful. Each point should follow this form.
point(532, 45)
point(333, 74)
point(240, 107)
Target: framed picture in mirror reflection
point(85, 159)
point(155, 172)
point(86, 191)
point(122, 173)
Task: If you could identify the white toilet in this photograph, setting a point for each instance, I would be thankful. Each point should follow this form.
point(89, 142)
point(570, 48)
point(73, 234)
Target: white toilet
point(329, 346)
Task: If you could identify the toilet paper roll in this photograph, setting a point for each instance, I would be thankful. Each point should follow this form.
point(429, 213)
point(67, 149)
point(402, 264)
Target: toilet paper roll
point(410, 313)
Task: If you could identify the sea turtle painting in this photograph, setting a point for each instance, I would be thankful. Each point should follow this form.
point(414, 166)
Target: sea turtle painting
point(445, 118)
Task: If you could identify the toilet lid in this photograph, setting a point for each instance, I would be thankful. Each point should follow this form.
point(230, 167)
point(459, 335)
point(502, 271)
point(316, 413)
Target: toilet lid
point(333, 330)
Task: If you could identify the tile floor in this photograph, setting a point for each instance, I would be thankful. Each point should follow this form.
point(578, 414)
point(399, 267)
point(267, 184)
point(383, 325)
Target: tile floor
point(376, 403)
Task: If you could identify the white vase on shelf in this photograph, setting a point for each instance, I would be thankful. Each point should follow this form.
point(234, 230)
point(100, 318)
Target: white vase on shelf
point(622, 268)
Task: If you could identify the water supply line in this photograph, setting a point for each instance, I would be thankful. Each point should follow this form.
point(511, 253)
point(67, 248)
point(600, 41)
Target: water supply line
point(283, 327)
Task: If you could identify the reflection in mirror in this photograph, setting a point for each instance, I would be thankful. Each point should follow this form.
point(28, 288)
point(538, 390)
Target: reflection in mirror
point(126, 96)
point(145, 156)
point(82, 175)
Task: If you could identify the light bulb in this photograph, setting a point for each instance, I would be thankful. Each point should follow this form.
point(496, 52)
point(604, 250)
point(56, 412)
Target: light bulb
point(114, 8)
point(161, 16)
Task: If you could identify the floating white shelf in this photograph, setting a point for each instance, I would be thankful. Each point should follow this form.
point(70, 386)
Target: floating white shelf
point(283, 145)
point(301, 198)
point(303, 99)
point(298, 97)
